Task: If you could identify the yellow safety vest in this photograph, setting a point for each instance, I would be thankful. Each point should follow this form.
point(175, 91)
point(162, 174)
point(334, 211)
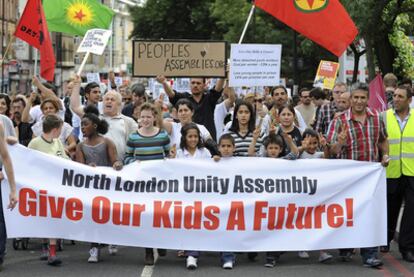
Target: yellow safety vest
point(401, 146)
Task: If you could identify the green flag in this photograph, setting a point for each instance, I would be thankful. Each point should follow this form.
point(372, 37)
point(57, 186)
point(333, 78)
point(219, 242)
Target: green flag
point(76, 16)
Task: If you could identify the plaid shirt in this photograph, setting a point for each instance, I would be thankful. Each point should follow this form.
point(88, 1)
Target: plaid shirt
point(324, 117)
point(362, 138)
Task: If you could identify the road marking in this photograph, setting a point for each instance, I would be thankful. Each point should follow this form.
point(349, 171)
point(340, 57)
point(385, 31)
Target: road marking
point(397, 265)
point(148, 269)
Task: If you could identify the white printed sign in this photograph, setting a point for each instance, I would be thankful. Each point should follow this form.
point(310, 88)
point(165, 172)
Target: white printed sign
point(255, 65)
point(236, 204)
point(95, 41)
point(93, 77)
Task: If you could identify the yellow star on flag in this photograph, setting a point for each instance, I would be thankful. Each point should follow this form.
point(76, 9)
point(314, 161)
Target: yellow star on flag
point(79, 13)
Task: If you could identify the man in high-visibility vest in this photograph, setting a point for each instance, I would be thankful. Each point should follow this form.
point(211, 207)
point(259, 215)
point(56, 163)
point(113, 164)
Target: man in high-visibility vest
point(399, 122)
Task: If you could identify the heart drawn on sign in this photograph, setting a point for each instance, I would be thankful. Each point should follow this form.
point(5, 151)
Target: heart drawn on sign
point(203, 53)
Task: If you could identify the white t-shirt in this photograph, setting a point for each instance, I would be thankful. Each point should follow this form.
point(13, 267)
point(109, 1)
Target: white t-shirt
point(175, 136)
point(200, 153)
point(220, 113)
point(36, 113)
point(120, 127)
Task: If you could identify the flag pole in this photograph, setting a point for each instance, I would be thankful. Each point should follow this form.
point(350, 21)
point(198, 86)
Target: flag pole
point(247, 23)
point(7, 51)
point(83, 63)
point(35, 61)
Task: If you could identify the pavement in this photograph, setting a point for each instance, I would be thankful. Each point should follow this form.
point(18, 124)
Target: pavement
point(130, 262)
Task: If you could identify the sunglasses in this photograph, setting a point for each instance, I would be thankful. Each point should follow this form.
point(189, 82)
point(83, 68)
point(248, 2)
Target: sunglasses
point(258, 100)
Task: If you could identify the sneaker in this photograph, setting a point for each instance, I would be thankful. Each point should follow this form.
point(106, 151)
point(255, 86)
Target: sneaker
point(112, 249)
point(94, 255)
point(270, 262)
point(228, 265)
point(191, 262)
point(303, 255)
point(373, 262)
point(181, 253)
point(325, 257)
point(53, 260)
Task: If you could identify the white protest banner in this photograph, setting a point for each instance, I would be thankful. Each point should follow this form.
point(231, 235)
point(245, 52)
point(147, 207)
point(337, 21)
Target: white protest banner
point(237, 204)
point(94, 41)
point(93, 77)
point(255, 65)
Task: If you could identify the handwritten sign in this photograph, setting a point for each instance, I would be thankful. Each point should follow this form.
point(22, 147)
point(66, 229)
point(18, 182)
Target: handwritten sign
point(95, 41)
point(179, 58)
point(255, 65)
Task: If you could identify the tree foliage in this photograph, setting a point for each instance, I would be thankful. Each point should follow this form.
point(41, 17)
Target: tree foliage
point(383, 24)
point(173, 19)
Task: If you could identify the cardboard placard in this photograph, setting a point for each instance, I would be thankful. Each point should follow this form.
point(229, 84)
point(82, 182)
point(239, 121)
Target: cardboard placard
point(179, 58)
point(95, 41)
point(255, 65)
point(326, 75)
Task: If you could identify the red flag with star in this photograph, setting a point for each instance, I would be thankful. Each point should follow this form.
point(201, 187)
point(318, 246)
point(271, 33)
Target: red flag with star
point(32, 28)
point(326, 22)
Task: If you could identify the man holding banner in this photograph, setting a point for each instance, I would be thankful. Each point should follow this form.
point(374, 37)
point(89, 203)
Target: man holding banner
point(359, 134)
point(204, 102)
point(400, 172)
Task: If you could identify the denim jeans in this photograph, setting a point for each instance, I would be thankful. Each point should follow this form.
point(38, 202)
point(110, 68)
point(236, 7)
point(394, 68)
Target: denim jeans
point(369, 252)
point(227, 257)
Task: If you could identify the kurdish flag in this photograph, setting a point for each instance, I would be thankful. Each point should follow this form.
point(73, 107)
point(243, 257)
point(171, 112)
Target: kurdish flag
point(326, 22)
point(76, 16)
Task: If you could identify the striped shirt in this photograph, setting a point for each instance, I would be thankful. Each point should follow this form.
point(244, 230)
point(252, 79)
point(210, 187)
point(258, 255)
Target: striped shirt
point(324, 117)
point(362, 137)
point(142, 148)
point(242, 143)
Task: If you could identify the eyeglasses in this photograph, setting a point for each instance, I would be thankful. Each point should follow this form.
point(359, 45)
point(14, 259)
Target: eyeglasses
point(258, 100)
point(306, 96)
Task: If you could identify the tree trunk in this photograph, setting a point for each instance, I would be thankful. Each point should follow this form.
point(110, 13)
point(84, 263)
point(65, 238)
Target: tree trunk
point(385, 54)
point(370, 59)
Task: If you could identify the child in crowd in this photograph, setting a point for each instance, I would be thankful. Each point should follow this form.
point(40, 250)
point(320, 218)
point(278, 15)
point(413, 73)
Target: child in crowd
point(191, 147)
point(191, 144)
point(274, 145)
point(48, 142)
point(311, 143)
point(96, 150)
point(149, 142)
point(226, 148)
